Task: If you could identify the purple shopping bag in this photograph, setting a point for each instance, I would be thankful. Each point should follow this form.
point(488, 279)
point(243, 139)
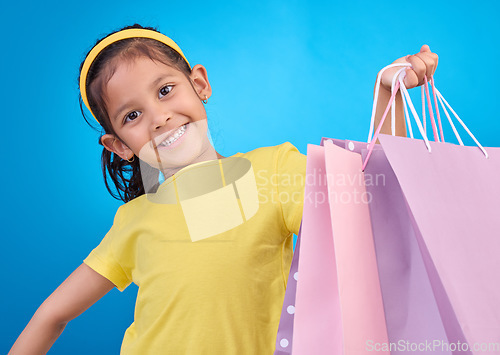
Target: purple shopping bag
point(412, 317)
point(453, 195)
point(411, 314)
point(284, 337)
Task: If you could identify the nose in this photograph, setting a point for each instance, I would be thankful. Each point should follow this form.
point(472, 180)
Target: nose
point(159, 118)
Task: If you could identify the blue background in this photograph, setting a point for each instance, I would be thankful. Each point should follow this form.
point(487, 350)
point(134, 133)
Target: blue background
point(280, 71)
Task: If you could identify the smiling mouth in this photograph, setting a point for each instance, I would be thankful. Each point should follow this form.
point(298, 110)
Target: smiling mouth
point(173, 137)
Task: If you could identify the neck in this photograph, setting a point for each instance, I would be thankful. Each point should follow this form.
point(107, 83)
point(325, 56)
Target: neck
point(206, 155)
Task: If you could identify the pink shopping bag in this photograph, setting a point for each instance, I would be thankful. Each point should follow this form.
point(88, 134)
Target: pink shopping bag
point(339, 306)
point(317, 323)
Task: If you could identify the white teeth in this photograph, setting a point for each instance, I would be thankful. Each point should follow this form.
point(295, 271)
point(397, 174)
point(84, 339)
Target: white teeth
point(173, 137)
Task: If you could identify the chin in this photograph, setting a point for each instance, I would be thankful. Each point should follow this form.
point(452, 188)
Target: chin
point(194, 147)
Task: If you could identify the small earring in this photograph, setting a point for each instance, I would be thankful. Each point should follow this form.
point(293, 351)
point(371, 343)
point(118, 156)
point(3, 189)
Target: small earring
point(131, 160)
point(205, 101)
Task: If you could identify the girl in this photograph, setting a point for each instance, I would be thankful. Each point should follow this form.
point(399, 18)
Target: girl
point(211, 246)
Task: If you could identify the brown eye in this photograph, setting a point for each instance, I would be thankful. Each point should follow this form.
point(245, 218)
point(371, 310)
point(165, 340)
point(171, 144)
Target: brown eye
point(131, 116)
point(165, 90)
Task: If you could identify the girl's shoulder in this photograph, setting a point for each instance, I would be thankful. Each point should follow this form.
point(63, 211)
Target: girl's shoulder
point(278, 159)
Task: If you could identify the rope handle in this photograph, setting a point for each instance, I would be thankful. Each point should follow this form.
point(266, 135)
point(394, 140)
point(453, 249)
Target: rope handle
point(377, 89)
point(442, 101)
point(398, 84)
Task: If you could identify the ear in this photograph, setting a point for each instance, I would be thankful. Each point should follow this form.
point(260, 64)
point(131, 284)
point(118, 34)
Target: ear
point(115, 145)
point(199, 78)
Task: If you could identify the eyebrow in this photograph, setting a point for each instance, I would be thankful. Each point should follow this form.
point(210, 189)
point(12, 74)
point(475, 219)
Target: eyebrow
point(153, 85)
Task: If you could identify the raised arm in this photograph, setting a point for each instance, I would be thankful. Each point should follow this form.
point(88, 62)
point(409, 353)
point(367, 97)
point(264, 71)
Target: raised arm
point(423, 63)
point(76, 294)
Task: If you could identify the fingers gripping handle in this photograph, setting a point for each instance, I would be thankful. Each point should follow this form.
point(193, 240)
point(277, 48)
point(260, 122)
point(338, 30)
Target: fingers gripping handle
point(398, 84)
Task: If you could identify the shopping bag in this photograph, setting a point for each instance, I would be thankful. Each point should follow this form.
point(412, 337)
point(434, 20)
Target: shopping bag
point(362, 312)
point(411, 312)
point(335, 312)
point(428, 306)
point(284, 337)
point(339, 306)
point(451, 195)
point(317, 323)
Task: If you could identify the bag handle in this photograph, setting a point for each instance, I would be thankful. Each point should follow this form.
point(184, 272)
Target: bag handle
point(398, 84)
point(406, 96)
point(425, 94)
point(375, 98)
point(400, 74)
point(457, 135)
point(443, 102)
point(393, 105)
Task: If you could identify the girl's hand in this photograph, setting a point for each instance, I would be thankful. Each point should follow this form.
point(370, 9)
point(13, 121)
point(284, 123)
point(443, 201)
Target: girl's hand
point(423, 63)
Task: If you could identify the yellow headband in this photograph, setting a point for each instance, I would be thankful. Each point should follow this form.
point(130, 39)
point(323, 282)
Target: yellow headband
point(115, 37)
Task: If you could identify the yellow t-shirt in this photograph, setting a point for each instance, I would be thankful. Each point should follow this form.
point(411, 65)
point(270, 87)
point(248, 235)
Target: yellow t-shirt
point(209, 294)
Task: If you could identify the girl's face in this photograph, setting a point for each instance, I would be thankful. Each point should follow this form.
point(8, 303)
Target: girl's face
point(157, 112)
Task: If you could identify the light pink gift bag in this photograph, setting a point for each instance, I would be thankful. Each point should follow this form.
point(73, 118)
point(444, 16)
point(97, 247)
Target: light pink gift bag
point(317, 323)
point(362, 311)
point(338, 307)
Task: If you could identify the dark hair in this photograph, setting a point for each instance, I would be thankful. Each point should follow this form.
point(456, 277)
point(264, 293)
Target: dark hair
point(126, 176)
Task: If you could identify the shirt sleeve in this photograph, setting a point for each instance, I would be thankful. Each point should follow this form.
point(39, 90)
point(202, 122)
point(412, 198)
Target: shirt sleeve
point(291, 174)
point(103, 260)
